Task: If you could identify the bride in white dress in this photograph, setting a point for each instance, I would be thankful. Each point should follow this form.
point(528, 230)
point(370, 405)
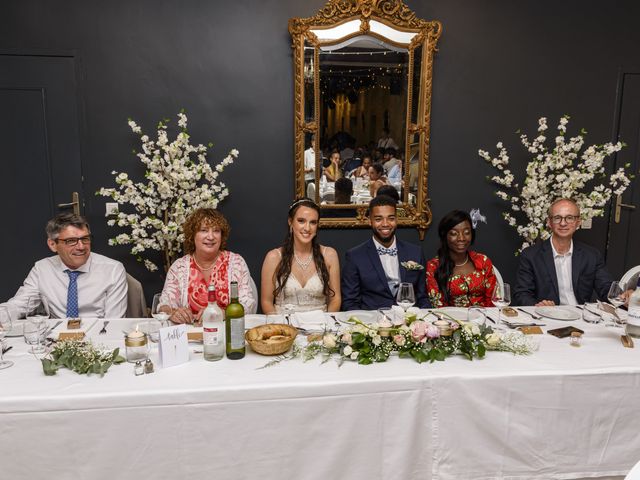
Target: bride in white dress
point(301, 275)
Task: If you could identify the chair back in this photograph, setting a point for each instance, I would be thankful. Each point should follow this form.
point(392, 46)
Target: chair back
point(629, 275)
point(136, 304)
point(498, 277)
point(311, 191)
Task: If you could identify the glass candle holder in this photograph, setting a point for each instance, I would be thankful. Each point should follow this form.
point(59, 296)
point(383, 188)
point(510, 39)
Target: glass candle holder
point(136, 346)
point(444, 327)
point(576, 339)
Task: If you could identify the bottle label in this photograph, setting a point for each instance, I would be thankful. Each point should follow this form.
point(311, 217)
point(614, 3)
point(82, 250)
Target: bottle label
point(237, 333)
point(210, 336)
point(633, 317)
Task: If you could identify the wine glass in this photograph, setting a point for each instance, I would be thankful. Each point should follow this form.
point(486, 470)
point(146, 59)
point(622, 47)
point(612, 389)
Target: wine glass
point(5, 326)
point(615, 294)
point(37, 315)
point(156, 311)
point(501, 298)
point(405, 297)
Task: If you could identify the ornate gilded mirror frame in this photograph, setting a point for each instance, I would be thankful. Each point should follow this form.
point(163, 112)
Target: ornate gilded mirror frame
point(419, 37)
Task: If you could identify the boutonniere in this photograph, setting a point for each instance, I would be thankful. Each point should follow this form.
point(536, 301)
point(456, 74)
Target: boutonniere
point(411, 265)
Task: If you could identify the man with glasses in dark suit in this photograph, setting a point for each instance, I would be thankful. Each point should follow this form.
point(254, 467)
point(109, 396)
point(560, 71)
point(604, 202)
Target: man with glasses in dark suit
point(75, 282)
point(560, 271)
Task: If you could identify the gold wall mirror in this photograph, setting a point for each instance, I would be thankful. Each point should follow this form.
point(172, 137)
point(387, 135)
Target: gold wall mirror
point(363, 78)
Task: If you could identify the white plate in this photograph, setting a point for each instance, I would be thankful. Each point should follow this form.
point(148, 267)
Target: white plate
point(365, 316)
point(460, 314)
point(558, 313)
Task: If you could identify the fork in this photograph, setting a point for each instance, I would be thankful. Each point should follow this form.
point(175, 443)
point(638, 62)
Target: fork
point(104, 328)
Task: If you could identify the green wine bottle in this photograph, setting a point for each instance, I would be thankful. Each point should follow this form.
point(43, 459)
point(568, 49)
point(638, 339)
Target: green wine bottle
point(234, 326)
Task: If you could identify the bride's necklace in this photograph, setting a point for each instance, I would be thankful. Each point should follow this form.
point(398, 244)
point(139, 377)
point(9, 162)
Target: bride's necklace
point(202, 269)
point(463, 263)
point(303, 265)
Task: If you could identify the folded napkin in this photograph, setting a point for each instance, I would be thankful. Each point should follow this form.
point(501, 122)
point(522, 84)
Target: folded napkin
point(313, 318)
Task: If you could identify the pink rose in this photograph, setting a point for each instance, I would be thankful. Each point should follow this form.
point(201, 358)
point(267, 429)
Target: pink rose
point(346, 338)
point(399, 340)
point(433, 331)
point(454, 326)
point(418, 329)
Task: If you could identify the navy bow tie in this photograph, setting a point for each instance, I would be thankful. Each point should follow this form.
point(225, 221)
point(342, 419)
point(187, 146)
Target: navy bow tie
point(387, 251)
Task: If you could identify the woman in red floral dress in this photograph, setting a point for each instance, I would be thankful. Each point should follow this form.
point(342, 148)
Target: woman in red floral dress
point(458, 276)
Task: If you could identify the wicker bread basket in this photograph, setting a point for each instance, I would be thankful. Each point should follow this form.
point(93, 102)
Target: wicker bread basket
point(272, 339)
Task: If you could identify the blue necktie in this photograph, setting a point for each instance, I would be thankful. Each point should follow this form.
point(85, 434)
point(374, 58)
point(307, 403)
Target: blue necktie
point(72, 294)
point(387, 251)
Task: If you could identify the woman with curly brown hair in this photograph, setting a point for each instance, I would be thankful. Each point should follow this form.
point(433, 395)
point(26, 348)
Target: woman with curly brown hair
point(302, 273)
point(206, 262)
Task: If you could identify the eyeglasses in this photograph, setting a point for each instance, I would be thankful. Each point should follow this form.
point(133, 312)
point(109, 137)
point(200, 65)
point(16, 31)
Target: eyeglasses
point(73, 241)
point(567, 218)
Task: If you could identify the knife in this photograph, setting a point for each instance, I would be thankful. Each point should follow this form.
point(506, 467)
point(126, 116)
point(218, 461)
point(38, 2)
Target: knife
point(47, 332)
point(532, 315)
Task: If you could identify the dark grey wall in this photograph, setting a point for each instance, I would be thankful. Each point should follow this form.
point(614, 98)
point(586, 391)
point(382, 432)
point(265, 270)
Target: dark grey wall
point(501, 64)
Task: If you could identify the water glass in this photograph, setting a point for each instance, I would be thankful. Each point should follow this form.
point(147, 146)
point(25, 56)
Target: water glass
point(476, 315)
point(36, 323)
point(156, 311)
point(5, 326)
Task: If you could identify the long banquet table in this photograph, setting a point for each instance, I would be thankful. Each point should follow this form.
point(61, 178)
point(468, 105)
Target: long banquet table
point(560, 413)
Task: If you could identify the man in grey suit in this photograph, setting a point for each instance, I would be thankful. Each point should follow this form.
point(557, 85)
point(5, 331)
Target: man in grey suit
point(560, 271)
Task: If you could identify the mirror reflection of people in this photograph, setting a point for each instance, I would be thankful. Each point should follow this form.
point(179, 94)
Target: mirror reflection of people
point(458, 276)
point(376, 178)
point(76, 282)
point(363, 170)
point(385, 141)
point(391, 160)
point(389, 191)
point(344, 191)
point(207, 261)
point(560, 271)
point(301, 272)
point(310, 161)
point(333, 172)
point(374, 269)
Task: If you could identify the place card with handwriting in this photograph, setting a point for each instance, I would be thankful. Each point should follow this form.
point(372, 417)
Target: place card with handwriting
point(173, 346)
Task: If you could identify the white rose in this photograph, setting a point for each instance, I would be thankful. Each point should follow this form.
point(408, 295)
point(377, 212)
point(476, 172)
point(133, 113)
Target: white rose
point(329, 341)
point(347, 350)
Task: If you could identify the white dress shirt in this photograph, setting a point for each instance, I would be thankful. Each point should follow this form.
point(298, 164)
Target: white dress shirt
point(390, 265)
point(563, 272)
point(102, 287)
point(309, 163)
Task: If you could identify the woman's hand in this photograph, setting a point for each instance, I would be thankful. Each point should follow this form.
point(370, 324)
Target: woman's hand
point(182, 315)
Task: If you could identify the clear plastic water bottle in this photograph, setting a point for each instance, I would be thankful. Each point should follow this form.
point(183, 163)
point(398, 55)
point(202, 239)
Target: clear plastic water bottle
point(212, 328)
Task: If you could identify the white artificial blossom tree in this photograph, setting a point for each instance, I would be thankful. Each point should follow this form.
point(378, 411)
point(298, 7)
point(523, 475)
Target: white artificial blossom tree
point(178, 180)
point(563, 170)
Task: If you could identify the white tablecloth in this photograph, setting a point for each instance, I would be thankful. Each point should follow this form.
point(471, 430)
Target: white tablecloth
point(561, 413)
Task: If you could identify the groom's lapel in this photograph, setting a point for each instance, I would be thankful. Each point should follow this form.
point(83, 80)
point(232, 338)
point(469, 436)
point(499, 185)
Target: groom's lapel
point(374, 258)
point(403, 256)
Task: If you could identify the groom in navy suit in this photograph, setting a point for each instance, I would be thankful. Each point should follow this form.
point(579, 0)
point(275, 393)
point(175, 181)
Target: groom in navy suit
point(374, 269)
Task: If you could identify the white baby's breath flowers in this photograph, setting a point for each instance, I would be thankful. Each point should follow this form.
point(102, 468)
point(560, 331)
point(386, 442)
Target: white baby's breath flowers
point(562, 172)
point(179, 180)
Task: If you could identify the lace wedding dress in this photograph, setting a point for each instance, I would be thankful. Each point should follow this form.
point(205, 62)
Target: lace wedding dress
point(302, 299)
